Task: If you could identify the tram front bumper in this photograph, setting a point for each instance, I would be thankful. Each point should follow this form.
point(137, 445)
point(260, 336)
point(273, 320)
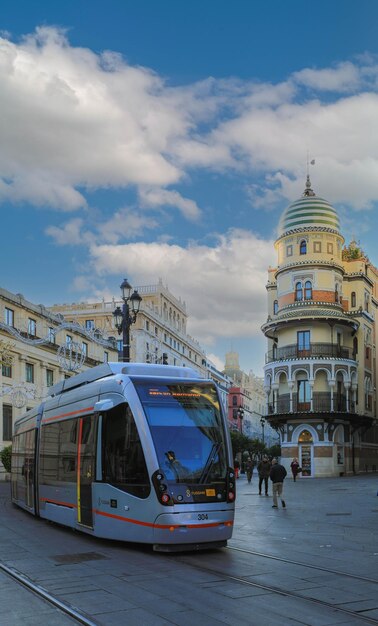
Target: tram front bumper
point(193, 529)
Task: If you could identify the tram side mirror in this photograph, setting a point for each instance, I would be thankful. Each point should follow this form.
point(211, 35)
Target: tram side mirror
point(103, 405)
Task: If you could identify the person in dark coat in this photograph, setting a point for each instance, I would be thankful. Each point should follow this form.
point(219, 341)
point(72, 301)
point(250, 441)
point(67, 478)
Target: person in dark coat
point(263, 469)
point(277, 476)
point(294, 468)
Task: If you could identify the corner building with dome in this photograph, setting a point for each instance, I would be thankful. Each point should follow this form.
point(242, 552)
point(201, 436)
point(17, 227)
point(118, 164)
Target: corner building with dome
point(320, 375)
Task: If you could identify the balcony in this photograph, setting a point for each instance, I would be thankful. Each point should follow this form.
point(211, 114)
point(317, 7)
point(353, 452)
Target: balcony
point(321, 403)
point(313, 351)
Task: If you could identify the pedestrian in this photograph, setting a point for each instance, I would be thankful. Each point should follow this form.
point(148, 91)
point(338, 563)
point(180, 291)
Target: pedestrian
point(263, 469)
point(236, 468)
point(277, 476)
point(249, 465)
point(294, 468)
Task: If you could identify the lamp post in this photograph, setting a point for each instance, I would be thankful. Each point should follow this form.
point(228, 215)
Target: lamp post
point(240, 414)
point(126, 316)
point(262, 422)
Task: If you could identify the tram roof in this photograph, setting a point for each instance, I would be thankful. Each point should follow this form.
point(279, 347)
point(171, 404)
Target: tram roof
point(128, 369)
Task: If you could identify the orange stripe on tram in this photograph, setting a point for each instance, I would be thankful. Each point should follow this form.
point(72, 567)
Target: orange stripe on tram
point(162, 526)
point(78, 412)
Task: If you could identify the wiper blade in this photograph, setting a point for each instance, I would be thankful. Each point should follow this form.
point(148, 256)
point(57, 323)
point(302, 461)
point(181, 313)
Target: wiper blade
point(210, 461)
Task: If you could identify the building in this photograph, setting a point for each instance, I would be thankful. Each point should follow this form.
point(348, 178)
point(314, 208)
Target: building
point(247, 403)
point(37, 349)
point(320, 372)
point(159, 329)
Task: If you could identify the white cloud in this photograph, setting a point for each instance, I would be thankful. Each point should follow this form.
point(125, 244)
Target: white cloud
point(87, 119)
point(78, 121)
point(224, 286)
point(124, 224)
point(164, 197)
point(68, 234)
point(346, 77)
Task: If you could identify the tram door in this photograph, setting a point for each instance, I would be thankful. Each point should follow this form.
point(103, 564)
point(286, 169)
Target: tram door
point(86, 468)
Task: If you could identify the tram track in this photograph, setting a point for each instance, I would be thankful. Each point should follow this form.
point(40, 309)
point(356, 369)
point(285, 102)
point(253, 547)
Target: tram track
point(284, 592)
point(307, 565)
point(76, 616)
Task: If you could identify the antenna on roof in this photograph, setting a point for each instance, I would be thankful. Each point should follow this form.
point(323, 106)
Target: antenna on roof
point(308, 191)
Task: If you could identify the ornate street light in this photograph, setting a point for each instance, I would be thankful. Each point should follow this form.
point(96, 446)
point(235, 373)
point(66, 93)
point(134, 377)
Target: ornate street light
point(125, 317)
point(240, 414)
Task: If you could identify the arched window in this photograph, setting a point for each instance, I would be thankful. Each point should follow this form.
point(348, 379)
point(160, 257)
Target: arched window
point(303, 247)
point(305, 437)
point(355, 347)
point(298, 291)
point(308, 290)
point(353, 300)
point(275, 307)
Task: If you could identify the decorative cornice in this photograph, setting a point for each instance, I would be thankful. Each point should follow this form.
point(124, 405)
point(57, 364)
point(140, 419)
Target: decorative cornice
point(305, 229)
point(308, 262)
point(94, 335)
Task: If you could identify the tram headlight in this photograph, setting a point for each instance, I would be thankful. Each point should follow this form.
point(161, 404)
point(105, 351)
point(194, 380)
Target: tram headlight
point(161, 489)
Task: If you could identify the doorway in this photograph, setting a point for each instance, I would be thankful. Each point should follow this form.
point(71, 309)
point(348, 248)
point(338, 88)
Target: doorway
point(306, 453)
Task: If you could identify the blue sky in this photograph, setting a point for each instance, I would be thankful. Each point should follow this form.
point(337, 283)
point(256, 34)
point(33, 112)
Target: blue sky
point(164, 139)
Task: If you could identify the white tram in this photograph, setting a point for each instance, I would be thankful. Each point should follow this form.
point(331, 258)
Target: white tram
point(132, 452)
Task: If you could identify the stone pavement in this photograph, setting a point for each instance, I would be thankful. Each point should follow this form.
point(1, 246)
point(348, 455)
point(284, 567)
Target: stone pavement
point(329, 522)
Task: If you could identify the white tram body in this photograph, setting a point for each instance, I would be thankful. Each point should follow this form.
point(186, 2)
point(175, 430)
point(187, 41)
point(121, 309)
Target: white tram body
point(132, 452)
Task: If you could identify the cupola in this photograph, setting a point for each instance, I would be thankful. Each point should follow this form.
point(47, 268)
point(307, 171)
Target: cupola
point(308, 213)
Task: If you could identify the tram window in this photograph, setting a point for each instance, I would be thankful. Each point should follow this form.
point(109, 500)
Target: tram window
point(187, 430)
point(123, 460)
point(58, 452)
point(23, 455)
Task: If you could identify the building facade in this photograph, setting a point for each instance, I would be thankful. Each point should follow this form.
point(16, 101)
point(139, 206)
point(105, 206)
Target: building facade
point(320, 375)
point(38, 349)
point(159, 329)
point(247, 403)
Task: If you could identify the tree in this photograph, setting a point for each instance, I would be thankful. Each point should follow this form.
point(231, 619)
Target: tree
point(274, 451)
point(5, 458)
point(240, 442)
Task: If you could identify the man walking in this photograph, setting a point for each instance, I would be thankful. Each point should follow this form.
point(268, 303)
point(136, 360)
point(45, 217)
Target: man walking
point(263, 469)
point(277, 476)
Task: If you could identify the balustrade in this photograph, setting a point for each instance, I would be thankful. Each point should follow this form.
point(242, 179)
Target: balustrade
point(314, 350)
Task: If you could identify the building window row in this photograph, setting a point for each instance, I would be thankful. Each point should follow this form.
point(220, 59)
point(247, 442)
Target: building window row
point(317, 247)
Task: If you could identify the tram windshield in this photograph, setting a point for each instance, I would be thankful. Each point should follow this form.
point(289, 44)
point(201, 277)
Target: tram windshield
point(187, 428)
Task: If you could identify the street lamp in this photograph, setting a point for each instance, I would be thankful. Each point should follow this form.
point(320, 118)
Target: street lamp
point(240, 414)
point(125, 317)
point(262, 422)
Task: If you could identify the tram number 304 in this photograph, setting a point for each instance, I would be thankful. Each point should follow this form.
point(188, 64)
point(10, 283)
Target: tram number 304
point(202, 516)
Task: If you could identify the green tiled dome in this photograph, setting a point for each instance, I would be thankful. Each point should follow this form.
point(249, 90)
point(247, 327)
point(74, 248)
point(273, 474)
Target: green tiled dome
point(309, 211)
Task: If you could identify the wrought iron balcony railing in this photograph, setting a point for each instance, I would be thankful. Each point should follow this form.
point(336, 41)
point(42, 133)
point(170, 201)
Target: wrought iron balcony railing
point(313, 350)
point(321, 402)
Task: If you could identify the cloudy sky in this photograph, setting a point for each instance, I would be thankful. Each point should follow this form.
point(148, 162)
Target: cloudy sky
point(154, 140)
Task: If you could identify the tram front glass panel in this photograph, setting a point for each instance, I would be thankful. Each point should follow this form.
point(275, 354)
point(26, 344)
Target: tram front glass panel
point(188, 432)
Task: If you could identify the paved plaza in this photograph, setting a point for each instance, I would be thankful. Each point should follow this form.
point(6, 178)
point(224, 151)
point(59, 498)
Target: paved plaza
point(328, 523)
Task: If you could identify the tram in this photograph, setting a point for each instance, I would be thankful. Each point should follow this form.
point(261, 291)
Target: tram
point(129, 451)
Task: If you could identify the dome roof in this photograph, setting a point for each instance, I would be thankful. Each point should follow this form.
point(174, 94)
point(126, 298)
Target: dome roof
point(309, 212)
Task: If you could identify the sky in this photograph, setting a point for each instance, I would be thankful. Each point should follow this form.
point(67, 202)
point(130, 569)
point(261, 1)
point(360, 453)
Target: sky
point(163, 140)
